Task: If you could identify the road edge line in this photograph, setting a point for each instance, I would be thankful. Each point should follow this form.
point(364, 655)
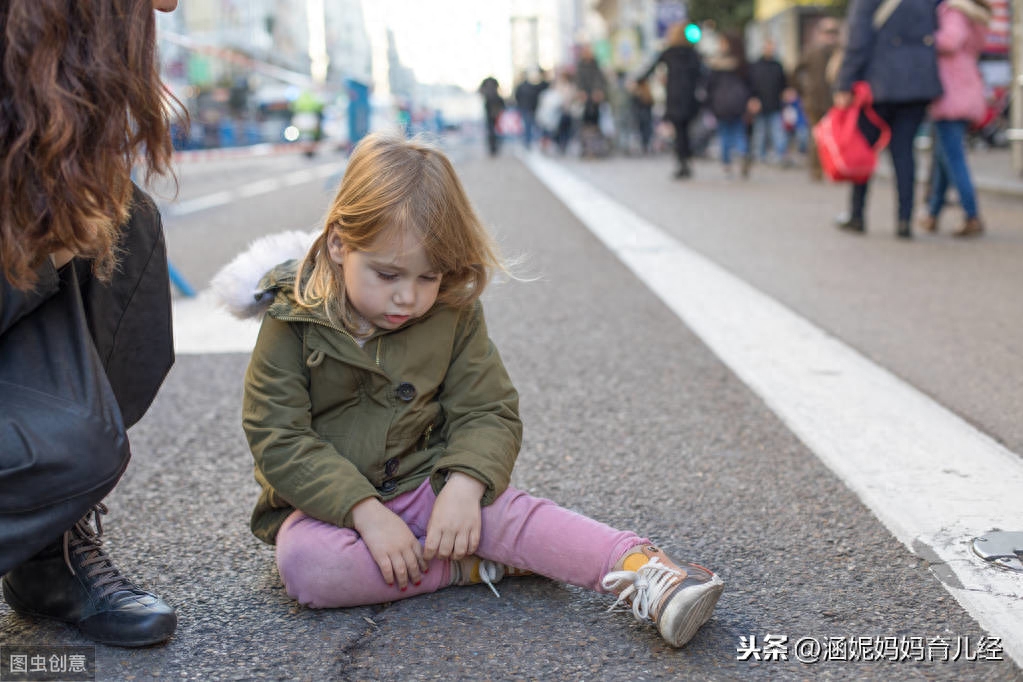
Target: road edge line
point(917, 469)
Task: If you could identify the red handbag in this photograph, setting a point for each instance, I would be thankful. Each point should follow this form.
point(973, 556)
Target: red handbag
point(845, 153)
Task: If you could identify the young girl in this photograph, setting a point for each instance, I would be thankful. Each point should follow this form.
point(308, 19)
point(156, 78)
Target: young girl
point(384, 426)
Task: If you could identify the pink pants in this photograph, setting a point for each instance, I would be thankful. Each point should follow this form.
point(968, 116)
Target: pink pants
point(324, 566)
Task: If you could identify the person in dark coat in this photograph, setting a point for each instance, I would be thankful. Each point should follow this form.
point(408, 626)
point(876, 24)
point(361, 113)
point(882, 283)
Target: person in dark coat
point(69, 211)
point(592, 84)
point(527, 98)
point(593, 90)
point(728, 96)
point(810, 81)
point(493, 105)
point(895, 54)
point(768, 81)
point(681, 105)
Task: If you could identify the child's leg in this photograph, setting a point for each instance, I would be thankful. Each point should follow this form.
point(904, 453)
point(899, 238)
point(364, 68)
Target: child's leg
point(536, 534)
point(324, 566)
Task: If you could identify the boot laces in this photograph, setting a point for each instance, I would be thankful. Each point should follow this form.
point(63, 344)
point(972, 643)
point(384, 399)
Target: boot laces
point(84, 542)
point(643, 588)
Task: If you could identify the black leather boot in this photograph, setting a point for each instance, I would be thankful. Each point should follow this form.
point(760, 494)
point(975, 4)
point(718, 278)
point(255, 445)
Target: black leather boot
point(903, 230)
point(74, 581)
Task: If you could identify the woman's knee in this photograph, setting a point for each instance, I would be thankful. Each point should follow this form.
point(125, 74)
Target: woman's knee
point(59, 453)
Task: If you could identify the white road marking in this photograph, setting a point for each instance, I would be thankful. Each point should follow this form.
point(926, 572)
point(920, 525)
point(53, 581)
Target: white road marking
point(934, 481)
point(252, 189)
point(202, 203)
point(258, 187)
point(298, 177)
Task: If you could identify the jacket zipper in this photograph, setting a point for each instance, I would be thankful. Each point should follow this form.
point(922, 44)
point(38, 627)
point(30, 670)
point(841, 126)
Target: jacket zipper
point(289, 318)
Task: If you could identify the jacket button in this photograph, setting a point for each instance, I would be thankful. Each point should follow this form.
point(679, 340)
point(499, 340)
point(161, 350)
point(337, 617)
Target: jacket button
point(388, 486)
point(391, 466)
point(896, 41)
point(406, 391)
point(928, 39)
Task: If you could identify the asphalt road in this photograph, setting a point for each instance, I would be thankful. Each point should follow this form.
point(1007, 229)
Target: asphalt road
point(628, 417)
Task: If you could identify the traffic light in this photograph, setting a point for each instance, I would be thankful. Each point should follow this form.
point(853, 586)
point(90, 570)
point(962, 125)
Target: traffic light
point(693, 33)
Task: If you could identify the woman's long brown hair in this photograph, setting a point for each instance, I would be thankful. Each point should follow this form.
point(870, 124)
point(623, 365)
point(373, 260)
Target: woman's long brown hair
point(80, 102)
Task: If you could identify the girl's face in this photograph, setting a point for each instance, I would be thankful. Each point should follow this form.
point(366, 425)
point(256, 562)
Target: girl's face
point(389, 284)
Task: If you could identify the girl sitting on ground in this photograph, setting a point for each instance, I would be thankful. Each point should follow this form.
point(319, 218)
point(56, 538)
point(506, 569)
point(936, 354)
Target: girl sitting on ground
point(384, 426)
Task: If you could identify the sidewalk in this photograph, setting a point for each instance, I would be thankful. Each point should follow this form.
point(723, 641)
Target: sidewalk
point(991, 169)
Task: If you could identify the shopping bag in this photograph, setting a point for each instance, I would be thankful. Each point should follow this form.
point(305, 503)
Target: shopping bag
point(845, 153)
point(509, 123)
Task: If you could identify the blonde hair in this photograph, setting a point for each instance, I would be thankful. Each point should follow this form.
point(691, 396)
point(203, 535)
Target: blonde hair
point(407, 186)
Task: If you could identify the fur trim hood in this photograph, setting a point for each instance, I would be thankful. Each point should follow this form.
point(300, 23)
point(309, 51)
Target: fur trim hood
point(246, 286)
point(977, 11)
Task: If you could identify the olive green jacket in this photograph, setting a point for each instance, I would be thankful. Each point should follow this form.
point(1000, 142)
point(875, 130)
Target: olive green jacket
point(331, 423)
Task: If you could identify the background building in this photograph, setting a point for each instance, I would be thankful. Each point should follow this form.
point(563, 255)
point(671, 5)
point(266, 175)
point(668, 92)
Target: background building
point(790, 23)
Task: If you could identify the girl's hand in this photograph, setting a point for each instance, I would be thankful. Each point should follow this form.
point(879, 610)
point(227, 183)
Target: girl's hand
point(390, 541)
point(454, 528)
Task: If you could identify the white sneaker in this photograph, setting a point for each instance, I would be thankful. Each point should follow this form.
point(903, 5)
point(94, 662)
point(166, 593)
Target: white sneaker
point(678, 599)
point(473, 570)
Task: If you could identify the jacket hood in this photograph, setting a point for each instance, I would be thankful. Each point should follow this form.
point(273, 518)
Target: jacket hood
point(975, 11)
point(248, 284)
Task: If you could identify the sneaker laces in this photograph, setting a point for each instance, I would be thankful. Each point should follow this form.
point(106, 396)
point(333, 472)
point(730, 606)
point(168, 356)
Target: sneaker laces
point(82, 541)
point(490, 573)
point(644, 587)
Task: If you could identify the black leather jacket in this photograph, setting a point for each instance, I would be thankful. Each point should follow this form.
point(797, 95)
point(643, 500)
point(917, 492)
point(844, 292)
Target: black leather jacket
point(129, 317)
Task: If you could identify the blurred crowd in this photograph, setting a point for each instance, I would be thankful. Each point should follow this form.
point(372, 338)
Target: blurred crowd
point(920, 58)
point(683, 101)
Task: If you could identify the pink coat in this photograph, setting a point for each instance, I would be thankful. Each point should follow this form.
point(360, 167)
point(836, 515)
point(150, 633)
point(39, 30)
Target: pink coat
point(960, 39)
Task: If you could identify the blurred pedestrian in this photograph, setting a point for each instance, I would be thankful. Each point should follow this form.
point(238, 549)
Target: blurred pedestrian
point(891, 46)
point(548, 111)
point(568, 106)
point(728, 96)
point(375, 491)
point(619, 101)
point(82, 100)
point(592, 87)
point(811, 82)
point(681, 103)
point(962, 29)
point(769, 83)
point(641, 100)
point(527, 99)
point(493, 107)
